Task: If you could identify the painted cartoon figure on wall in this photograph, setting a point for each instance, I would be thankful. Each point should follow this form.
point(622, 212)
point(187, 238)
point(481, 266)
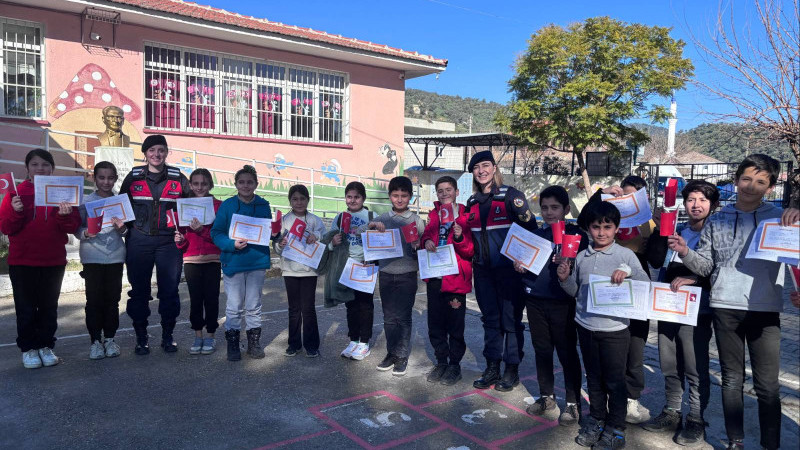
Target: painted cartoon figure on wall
point(280, 163)
point(387, 152)
point(92, 87)
point(331, 170)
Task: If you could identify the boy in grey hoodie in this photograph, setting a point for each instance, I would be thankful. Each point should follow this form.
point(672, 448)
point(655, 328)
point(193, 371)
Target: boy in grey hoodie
point(604, 340)
point(746, 297)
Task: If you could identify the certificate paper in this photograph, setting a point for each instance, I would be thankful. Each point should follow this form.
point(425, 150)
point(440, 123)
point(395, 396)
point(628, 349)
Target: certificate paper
point(359, 276)
point(382, 245)
point(773, 242)
point(680, 307)
point(118, 206)
point(201, 208)
point(524, 247)
point(627, 299)
point(50, 191)
point(437, 264)
point(299, 251)
point(254, 230)
point(634, 209)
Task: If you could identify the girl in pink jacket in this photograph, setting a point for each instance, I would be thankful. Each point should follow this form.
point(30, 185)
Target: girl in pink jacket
point(202, 269)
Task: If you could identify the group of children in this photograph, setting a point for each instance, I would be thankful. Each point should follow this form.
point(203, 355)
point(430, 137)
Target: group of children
point(741, 297)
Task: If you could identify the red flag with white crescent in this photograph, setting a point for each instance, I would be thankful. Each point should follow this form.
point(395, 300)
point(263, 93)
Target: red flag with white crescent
point(625, 234)
point(446, 214)
point(7, 183)
point(347, 218)
point(276, 224)
point(298, 228)
point(172, 219)
point(410, 232)
point(94, 224)
point(570, 245)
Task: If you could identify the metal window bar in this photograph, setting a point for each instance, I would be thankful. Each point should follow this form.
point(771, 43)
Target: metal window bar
point(22, 62)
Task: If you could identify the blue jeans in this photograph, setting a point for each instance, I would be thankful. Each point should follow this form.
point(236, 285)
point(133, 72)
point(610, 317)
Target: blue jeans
point(144, 252)
point(499, 295)
point(243, 290)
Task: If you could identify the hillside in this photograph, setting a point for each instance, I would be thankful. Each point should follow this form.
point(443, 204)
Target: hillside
point(723, 141)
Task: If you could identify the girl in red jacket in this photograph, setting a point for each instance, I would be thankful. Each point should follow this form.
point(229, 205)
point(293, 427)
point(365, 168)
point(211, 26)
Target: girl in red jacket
point(202, 269)
point(36, 261)
point(447, 296)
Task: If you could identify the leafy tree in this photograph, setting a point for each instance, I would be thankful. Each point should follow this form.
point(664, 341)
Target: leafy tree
point(577, 87)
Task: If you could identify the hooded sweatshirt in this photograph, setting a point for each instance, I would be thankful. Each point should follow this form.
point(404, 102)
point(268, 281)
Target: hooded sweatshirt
point(37, 235)
point(737, 282)
point(252, 257)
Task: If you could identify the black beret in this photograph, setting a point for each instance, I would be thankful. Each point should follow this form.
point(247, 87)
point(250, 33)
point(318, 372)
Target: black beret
point(153, 139)
point(485, 155)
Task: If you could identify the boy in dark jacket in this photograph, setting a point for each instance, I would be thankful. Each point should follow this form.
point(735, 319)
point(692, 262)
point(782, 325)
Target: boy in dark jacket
point(683, 349)
point(551, 317)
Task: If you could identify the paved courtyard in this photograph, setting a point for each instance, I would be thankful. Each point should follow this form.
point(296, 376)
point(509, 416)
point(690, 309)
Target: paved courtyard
point(185, 401)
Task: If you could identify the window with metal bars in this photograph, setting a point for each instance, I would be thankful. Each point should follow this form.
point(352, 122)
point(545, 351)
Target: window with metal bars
point(218, 93)
point(22, 61)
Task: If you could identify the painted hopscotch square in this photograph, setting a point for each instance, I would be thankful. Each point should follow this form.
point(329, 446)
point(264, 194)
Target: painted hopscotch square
point(377, 420)
point(488, 420)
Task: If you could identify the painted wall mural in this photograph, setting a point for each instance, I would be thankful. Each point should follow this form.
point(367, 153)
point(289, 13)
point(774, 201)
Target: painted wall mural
point(391, 155)
point(92, 87)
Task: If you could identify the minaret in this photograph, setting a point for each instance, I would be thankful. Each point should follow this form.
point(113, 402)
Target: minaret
point(673, 120)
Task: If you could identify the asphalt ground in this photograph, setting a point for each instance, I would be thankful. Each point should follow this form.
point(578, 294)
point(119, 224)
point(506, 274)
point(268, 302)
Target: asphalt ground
point(187, 401)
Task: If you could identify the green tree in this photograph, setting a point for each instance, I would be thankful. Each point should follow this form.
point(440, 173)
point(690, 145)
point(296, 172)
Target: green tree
point(578, 87)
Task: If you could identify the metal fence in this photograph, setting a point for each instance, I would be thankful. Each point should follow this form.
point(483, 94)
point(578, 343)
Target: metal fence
point(327, 198)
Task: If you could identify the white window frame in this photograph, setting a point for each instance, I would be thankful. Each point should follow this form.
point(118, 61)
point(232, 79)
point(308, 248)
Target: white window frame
point(222, 78)
point(25, 49)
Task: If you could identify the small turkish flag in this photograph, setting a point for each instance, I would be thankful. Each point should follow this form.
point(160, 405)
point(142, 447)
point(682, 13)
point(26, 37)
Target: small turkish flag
point(276, 224)
point(7, 183)
point(668, 219)
point(670, 192)
point(625, 234)
point(410, 232)
point(172, 219)
point(298, 228)
point(94, 224)
point(570, 245)
point(446, 214)
point(344, 226)
point(796, 277)
point(558, 231)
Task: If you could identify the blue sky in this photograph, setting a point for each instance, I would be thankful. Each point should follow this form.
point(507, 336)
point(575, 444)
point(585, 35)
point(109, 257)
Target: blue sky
point(481, 39)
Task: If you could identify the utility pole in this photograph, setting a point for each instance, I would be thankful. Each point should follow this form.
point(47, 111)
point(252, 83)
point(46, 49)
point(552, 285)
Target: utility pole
point(470, 124)
point(673, 120)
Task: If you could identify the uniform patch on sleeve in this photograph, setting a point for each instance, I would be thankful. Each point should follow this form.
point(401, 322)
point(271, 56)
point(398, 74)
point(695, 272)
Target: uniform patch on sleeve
point(518, 202)
point(525, 217)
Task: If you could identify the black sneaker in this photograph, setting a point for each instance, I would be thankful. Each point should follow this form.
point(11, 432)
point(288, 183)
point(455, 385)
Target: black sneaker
point(169, 345)
point(668, 420)
point(142, 347)
point(387, 363)
point(545, 407)
point(452, 375)
point(290, 351)
point(590, 432)
point(437, 372)
point(735, 444)
point(400, 365)
point(312, 353)
point(693, 431)
point(570, 416)
point(610, 440)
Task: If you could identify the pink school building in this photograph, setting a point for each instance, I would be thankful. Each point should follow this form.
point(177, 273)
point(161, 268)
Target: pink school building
point(222, 87)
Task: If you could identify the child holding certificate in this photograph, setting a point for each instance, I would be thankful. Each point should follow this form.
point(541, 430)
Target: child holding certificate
point(343, 242)
point(202, 269)
point(36, 261)
point(102, 255)
point(604, 339)
point(398, 278)
point(551, 315)
point(746, 297)
point(635, 239)
point(300, 280)
point(683, 349)
point(244, 265)
point(447, 296)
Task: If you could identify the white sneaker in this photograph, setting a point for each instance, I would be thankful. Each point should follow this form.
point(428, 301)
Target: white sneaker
point(111, 347)
point(361, 351)
point(348, 352)
point(31, 360)
point(48, 357)
point(97, 351)
point(636, 412)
